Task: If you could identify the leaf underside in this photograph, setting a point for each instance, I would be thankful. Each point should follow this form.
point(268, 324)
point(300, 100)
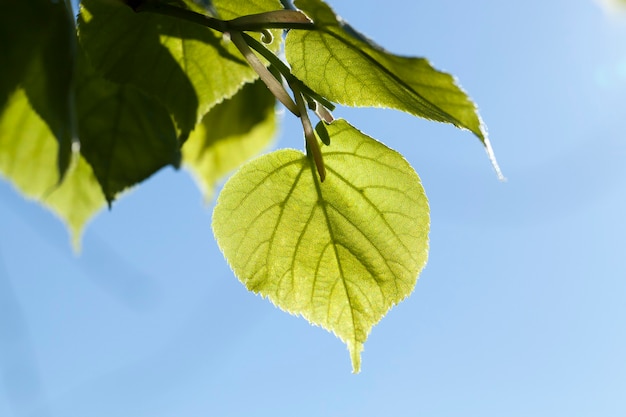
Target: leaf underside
point(231, 133)
point(345, 67)
point(340, 253)
point(28, 152)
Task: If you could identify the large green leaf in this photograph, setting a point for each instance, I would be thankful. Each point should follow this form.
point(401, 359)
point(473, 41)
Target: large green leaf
point(40, 40)
point(346, 67)
point(125, 135)
point(341, 253)
point(28, 160)
point(190, 68)
point(230, 133)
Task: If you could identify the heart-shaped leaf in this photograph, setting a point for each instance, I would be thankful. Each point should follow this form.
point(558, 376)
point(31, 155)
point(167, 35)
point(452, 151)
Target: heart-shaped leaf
point(340, 253)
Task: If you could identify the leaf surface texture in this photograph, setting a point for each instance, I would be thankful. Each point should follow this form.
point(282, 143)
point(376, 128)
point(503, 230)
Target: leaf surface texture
point(340, 253)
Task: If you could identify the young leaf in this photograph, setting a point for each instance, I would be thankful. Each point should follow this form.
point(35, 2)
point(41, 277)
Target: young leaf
point(188, 67)
point(346, 67)
point(230, 133)
point(28, 152)
point(340, 253)
point(125, 135)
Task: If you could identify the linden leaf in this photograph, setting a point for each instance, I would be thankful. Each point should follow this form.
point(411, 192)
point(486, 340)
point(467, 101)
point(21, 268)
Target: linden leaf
point(345, 67)
point(230, 133)
point(340, 253)
point(28, 152)
point(188, 67)
point(125, 135)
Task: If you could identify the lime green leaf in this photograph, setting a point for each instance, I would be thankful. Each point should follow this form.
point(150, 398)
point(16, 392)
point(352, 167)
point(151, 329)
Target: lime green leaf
point(125, 135)
point(346, 67)
point(40, 49)
point(230, 133)
point(340, 253)
point(190, 68)
point(28, 160)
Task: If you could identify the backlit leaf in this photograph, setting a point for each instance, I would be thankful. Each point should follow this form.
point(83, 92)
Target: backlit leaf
point(230, 133)
point(346, 67)
point(340, 253)
point(188, 67)
point(28, 160)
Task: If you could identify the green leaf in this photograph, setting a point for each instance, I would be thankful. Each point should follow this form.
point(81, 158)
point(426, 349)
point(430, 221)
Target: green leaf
point(346, 67)
point(28, 152)
point(188, 67)
point(22, 24)
point(41, 40)
point(230, 133)
point(340, 253)
point(125, 135)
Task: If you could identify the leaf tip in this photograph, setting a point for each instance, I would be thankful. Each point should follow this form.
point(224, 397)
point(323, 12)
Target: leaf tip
point(493, 160)
point(484, 137)
point(355, 349)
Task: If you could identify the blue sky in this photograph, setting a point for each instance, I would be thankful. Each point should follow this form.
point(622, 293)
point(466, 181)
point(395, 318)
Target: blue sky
point(520, 311)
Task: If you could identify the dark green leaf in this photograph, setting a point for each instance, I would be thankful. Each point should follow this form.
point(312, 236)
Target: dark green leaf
point(125, 135)
point(40, 38)
point(190, 68)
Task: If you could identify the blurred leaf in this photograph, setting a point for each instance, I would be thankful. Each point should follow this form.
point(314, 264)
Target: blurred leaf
point(346, 67)
point(190, 68)
point(28, 160)
point(230, 133)
point(341, 253)
point(40, 41)
point(125, 135)
point(22, 24)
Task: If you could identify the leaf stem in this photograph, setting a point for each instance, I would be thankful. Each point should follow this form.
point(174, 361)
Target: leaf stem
point(266, 76)
point(277, 19)
point(285, 71)
point(309, 134)
point(180, 13)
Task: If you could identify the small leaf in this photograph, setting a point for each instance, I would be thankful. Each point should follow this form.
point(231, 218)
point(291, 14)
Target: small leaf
point(28, 152)
point(322, 133)
point(340, 253)
point(188, 67)
point(125, 135)
point(346, 67)
point(230, 133)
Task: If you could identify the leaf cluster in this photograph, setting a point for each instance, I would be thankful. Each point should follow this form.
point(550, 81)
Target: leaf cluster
point(93, 106)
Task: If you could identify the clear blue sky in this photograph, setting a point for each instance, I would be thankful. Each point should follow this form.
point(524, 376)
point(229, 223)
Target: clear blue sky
point(521, 310)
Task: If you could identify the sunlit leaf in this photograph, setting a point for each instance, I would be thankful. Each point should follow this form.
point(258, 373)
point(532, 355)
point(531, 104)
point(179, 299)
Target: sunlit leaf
point(125, 135)
point(230, 133)
point(28, 160)
point(340, 253)
point(190, 68)
point(346, 67)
